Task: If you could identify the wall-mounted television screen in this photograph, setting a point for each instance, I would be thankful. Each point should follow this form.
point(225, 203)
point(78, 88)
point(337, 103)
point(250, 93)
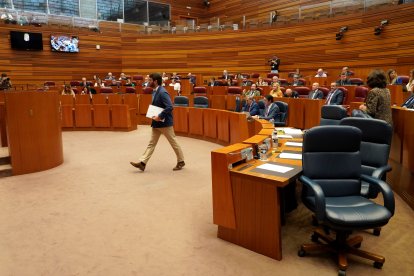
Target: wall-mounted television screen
point(26, 41)
point(64, 43)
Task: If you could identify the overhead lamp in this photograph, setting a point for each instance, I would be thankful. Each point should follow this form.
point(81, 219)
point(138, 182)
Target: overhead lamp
point(342, 30)
point(378, 30)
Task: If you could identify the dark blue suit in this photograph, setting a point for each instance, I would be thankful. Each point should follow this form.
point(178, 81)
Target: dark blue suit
point(162, 99)
point(253, 109)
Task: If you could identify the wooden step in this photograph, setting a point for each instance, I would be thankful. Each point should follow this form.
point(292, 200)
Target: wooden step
point(5, 170)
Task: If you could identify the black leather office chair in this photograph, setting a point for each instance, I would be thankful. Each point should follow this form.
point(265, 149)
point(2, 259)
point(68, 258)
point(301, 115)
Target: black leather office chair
point(332, 190)
point(201, 102)
point(181, 101)
point(332, 114)
point(281, 117)
point(375, 151)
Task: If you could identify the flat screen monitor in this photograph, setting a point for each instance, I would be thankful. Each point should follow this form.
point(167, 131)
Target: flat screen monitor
point(64, 43)
point(26, 41)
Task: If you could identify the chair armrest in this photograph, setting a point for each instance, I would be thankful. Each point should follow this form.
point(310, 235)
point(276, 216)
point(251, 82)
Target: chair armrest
point(320, 205)
point(386, 191)
point(379, 172)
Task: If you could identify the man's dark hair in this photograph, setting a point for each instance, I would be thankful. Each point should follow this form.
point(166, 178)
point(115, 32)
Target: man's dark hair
point(269, 98)
point(377, 78)
point(156, 77)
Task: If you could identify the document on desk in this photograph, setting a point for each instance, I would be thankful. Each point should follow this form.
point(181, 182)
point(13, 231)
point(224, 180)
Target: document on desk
point(294, 144)
point(154, 111)
point(286, 155)
point(284, 136)
point(274, 168)
point(293, 131)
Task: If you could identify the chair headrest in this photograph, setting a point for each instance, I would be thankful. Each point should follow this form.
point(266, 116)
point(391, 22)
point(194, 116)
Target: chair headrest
point(335, 112)
point(332, 139)
point(373, 130)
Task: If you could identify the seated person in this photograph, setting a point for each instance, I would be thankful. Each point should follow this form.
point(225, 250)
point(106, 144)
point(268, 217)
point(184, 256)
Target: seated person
point(98, 82)
point(271, 109)
point(192, 79)
point(345, 71)
point(225, 75)
point(110, 76)
point(335, 96)
point(410, 85)
point(5, 83)
point(212, 82)
point(164, 77)
point(175, 76)
point(276, 92)
point(146, 82)
point(253, 92)
point(392, 77)
point(297, 81)
point(251, 106)
point(86, 90)
point(289, 93)
point(128, 82)
point(344, 80)
point(275, 79)
point(67, 90)
point(315, 93)
point(83, 83)
point(122, 77)
point(246, 82)
point(261, 82)
point(320, 74)
point(176, 85)
point(409, 103)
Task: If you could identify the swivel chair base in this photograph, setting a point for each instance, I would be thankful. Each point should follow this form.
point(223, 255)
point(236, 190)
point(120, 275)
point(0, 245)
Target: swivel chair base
point(340, 246)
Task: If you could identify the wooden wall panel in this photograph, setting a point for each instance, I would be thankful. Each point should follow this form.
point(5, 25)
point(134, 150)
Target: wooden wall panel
point(306, 46)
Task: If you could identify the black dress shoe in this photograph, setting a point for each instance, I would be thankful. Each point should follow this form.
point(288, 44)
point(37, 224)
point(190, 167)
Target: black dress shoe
point(179, 166)
point(139, 165)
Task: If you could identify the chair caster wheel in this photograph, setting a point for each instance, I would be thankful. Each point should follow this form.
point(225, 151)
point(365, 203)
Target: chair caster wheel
point(358, 245)
point(377, 232)
point(341, 273)
point(314, 238)
point(378, 265)
point(301, 253)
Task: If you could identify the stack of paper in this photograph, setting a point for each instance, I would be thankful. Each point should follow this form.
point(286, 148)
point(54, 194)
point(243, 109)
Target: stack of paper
point(286, 155)
point(275, 168)
point(294, 144)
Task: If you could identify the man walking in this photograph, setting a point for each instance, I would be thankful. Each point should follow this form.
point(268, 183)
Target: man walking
point(161, 124)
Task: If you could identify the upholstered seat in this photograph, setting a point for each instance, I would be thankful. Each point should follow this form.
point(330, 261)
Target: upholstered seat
point(201, 102)
point(281, 119)
point(181, 101)
point(332, 114)
point(331, 161)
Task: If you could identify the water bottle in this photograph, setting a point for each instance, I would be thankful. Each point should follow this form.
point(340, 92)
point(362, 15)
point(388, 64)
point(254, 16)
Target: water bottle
point(275, 141)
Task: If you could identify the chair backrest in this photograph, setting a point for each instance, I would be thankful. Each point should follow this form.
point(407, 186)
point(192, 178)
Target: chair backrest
point(404, 79)
point(130, 89)
point(360, 93)
point(181, 101)
point(138, 77)
point(331, 157)
point(147, 90)
point(271, 75)
point(245, 75)
point(106, 90)
point(332, 114)
point(200, 90)
point(283, 82)
point(234, 90)
point(376, 142)
point(74, 83)
point(325, 91)
point(49, 83)
point(356, 81)
point(201, 101)
point(345, 91)
point(282, 115)
point(262, 107)
point(268, 80)
point(303, 91)
point(255, 75)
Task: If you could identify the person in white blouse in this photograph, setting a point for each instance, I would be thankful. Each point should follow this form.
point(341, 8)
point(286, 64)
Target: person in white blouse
point(320, 74)
point(177, 86)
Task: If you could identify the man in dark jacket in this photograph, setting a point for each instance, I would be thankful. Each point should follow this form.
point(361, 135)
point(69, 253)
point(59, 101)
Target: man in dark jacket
point(161, 124)
point(251, 106)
